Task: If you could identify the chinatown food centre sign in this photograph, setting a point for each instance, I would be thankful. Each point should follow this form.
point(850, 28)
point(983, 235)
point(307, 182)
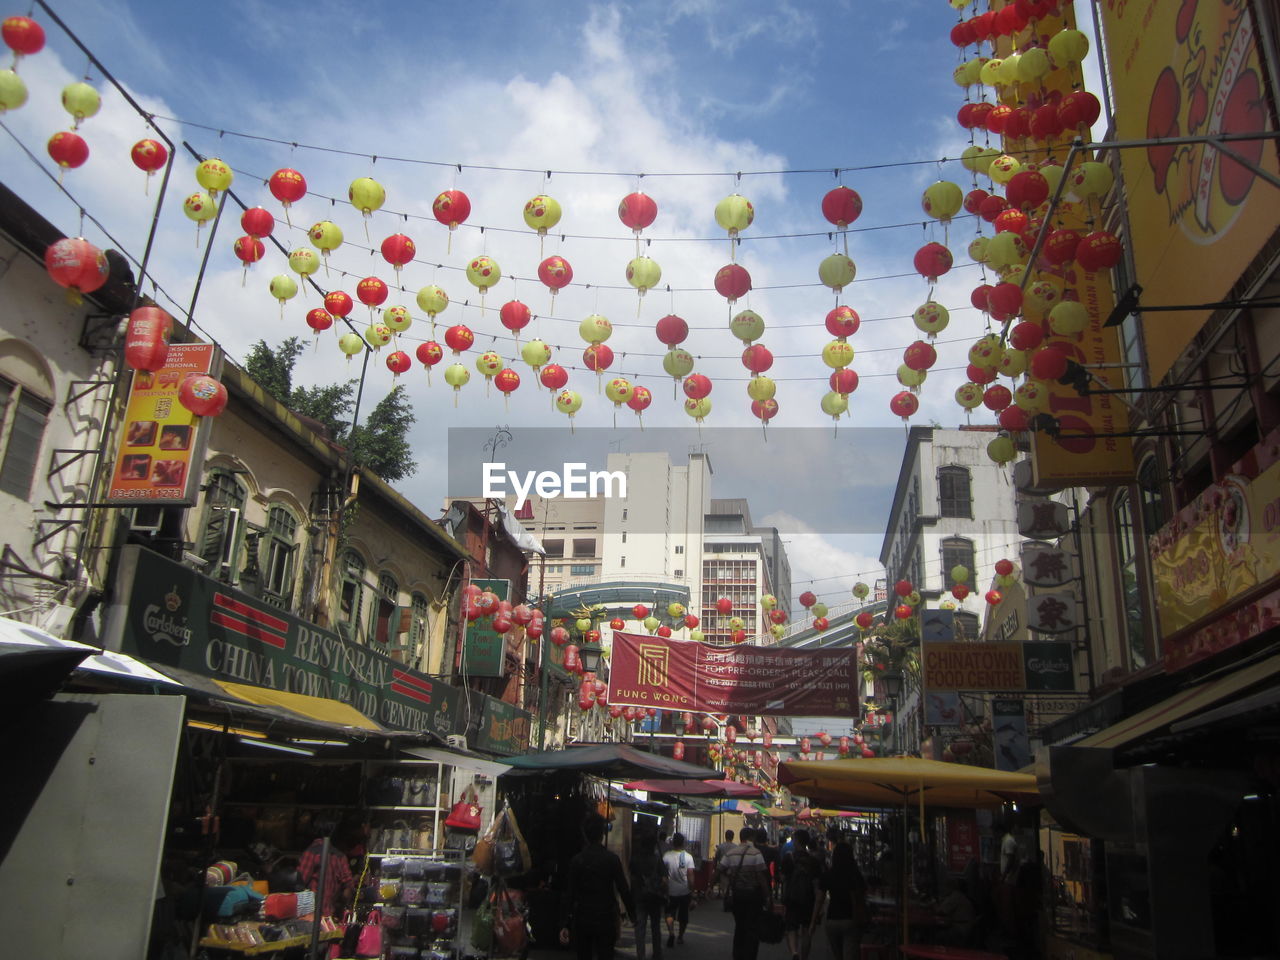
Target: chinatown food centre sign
point(173, 616)
point(666, 674)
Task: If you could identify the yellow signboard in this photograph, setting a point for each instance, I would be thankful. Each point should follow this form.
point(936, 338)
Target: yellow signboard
point(1197, 218)
point(1223, 545)
point(973, 666)
point(162, 440)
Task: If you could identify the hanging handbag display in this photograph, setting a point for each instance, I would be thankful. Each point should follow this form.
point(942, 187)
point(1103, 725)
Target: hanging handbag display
point(369, 943)
point(465, 814)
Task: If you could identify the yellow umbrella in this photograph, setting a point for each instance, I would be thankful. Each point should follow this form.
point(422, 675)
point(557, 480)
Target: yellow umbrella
point(893, 781)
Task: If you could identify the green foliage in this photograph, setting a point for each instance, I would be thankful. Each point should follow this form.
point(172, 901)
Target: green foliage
point(380, 444)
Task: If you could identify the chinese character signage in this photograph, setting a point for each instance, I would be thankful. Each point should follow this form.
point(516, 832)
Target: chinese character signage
point(1043, 519)
point(761, 681)
point(1044, 565)
point(162, 442)
point(482, 654)
point(173, 616)
point(1221, 546)
point(1053, 612)
point(504, 728)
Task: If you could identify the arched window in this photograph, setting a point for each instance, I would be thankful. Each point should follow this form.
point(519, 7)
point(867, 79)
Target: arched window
point(26, 399)
point(279, 555)
point(956, 551)
point(222, 531)
point(1130, 587)
point(384, 625)
point(351, 594)
point(955, 496)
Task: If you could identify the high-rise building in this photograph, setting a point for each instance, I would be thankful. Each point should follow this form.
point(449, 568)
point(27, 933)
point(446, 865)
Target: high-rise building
point(741, 562)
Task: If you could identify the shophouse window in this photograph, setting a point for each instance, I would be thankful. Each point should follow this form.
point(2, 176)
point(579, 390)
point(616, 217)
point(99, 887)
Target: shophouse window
point(584, 548)
point(679, 548)
point(23, 415)
point(279, 556)
point(418, 608)
point(351, 594)
point(955, 498)
point(1130, 588)
point(624, 536)
point(678, 572)
point(555, 548)
point(384, 624)
point(582, 569)
point(222, 530)
point(956, 551)
point(1155, 509)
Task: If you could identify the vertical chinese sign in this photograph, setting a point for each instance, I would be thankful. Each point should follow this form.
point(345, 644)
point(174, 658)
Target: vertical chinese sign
point(161, 441)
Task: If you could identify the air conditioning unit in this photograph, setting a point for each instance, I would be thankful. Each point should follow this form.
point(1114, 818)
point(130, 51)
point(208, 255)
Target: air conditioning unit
point(457, 741)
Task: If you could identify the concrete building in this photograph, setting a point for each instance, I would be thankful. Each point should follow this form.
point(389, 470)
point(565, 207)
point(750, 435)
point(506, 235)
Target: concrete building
point(741, 562)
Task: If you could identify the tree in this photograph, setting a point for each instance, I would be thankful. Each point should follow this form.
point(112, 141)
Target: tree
point(381, 444)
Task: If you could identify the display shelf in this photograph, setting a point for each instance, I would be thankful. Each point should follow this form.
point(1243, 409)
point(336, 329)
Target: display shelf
point(411, 809)
point(283, 804)
point(273, 947)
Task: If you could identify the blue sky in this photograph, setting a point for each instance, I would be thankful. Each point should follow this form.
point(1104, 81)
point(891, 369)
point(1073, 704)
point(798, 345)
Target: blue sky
point(703, 89)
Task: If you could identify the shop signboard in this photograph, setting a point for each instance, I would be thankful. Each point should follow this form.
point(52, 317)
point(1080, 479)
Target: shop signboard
point(1009, 742)
point(997, 667)
point(759, 681)
point(161, 439)
point(1043, 519)
point(937, 626)
point(176, 617)
point(1196, 217)
point(942, 708)
point(1221, 548)
point(482, 653)
point(504, 728)
point(1045, 565)
point(1053, 611)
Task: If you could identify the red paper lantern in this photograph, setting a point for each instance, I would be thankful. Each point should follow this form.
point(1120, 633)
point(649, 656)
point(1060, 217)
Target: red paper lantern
point(1004, 567)
point(1045, 122)
point(966, 116)
point(1048, 363)
point(1060, 246)
point(805, 744)
point(68, 150)
point(903, 588)
point(617, 623)
point(842, 206)
point(708, 724)
point(202, 395)
point(672, 330)
point(724, 605)
point(514, 315)
point(663, 631)
point(459, 338)
point(843, 322)
point(1099, 250)
point(808, 599)
point(995, 120)
point(932, 261)
point(75, 263)
point(764, 410)
point(257, 222)
point(902, 611)
point(1005, 300)
point(637, 211)
point(843, 381)
point(677, 750)
point(22, 35)
point(146, 341)
point(598, 357)
point(757, 358)
point(1079, 109)
point(732, 281)
point(973, 200)
point(372, 292)
point(820, 624)
point(919, 355)
point(690, 621)
point(639, 611)
point(151, 155)
point(980, 375)
point(1027, 189)
point(319, 319)
point(962, 34)
point(904, 404)
point(398, 250)
point(553, 376)
point(1011, 220)
point(572, 662)
point(451, 208)
point(398, 362)
point(555, 273)
point(994, 597)
point(429, 353)
point(338, 303)
point(959, 591)
point(980, 297)
point(1026, 335)
point(864, 620)
point(697, 386)
point(1014, 418)
point(997, 397)
point(1018, 124)
point(500, 624)
point(992, 207)
point(248, 249)
point(559, 636)
point(777, 615)
point(288, 186)
point(640, 399)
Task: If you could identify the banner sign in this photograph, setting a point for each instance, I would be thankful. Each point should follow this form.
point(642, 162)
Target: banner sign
point(1189, 69)
point(483, 652)
point(942, 709)
point(504, 728)
point(760, 681)
point(179, 618)
point(937, 626)
point(1007, 667)
point(1009, 740)
point(162, 442)
point(1055, 611)
point(1222, 546)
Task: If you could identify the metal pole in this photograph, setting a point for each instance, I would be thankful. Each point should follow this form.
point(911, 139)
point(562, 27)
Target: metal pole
point(313, 949)
point(542, 692)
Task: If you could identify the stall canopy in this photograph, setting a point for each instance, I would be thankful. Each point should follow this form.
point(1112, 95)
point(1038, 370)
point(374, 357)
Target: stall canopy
point(697, 788)
point(894, 781)
point(610, 761)
point(21, 638)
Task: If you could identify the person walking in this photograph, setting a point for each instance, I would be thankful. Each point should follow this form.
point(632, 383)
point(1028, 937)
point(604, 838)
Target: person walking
point(843, 891)
point(721, 850)
point(596, 884)
point(749, 893)
point(679, 889)
point(801, 873)
point(649, 884)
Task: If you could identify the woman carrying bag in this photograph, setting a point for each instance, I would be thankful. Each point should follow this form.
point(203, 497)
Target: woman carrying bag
point(844, 889)
point(749, 893)
point(650, 889)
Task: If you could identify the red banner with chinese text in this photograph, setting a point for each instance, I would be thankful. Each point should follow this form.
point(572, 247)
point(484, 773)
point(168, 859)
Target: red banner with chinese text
point(759, 681)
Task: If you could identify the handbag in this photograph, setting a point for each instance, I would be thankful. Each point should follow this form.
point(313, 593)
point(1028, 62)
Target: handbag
point(369, 943)
point(510, 934)
point(465, 814)
point(482, 928)
point(770, 927)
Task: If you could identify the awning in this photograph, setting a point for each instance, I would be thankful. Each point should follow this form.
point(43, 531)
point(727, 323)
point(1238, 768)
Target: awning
point(610, 761)
point(1181, 705)
point(893, 781)
point(19, 634)
point(455, 759)
point(314, 708)
point(697, 788)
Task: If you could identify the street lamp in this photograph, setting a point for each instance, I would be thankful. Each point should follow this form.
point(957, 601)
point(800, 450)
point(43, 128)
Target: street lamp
point(589, 654)
point(893, 689)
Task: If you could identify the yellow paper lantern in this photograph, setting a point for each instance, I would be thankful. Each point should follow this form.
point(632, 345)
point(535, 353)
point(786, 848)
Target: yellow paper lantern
point(1033, 65)
point(304, 261)
point(978, 248)
point(214, 175)
point(761, 388)
point(1002, 450)
point(677, 363)
point(200, 207)
point(326, 236)
point(735, 213)
point(1091, 180)
point(366, 195)
point(1068, 47)
point(377, 335)
point(595, 329)
point(989, 72)
point(1044, 293)
point(397, 318)
point(986, 352)
point(1068, 318)
point(483, 272)
point(536, 354)
point(698, 409)
point(432, 300)
point(542, 213)
point(747, 326)
point(837, 271)
point(643, 274)
point(959, 573)
point(910, 378)
point(834, 405)
point(778, 630)
point(1013, 363)
point(1007, 75)
point(618, 390)
point(942, 200)
point(489, 364)
point(969, 395)
point(13, 92)
point(283, 287)
point(969, 72)
point(350, 344)
point(838, 354)
point(1007, 249)
point(1032, 396)
point(767, 602)
point(931, 317)
point(568, 402)
point(1003, 168)
point(457, 376)
point(82, 101)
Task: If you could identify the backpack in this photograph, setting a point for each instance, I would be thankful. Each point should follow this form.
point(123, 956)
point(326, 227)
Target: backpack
point(655, 881)
point(799, 888)
point(742, 881)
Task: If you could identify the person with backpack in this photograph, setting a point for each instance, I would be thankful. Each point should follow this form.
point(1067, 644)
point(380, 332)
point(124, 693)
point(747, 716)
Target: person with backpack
point(843, 890)
point(649, 881)
point(749, 893)
point(799, 895)
point(597, 883)
point(679, 888)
